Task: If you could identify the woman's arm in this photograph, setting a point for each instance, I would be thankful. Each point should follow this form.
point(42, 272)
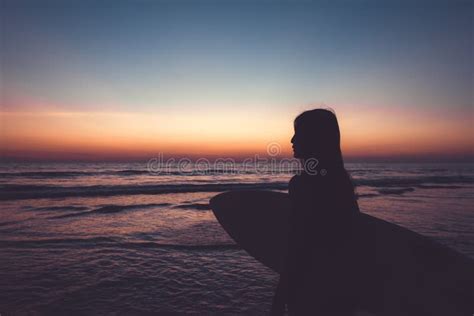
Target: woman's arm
point(280, 298)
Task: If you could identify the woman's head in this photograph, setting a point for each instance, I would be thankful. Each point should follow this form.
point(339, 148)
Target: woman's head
point(317, 136)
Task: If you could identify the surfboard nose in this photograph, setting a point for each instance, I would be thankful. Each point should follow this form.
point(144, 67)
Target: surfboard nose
point(216, 200)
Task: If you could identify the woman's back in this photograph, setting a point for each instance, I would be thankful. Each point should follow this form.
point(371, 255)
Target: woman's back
point(319, 271)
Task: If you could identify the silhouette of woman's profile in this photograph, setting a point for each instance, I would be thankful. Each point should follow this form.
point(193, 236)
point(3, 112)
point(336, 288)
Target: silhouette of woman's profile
point(318, 272)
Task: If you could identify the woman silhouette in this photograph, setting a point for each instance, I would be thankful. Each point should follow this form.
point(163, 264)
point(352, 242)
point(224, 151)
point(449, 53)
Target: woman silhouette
point(318, 273)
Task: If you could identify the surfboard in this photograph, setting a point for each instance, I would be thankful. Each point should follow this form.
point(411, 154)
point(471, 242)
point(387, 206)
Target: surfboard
point(399, 273)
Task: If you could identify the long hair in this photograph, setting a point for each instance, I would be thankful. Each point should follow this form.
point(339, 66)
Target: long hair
point(320, 133)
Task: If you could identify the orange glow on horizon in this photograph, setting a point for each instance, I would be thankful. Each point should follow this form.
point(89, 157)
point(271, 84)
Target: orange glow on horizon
point(365, 133)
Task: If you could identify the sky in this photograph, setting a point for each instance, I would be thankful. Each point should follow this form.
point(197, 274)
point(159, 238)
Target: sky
point(131, 79)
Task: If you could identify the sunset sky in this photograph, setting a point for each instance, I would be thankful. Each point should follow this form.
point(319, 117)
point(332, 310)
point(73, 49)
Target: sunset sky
point(131, 79)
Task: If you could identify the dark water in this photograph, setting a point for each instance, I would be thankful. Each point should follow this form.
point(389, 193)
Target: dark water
point(117, 239)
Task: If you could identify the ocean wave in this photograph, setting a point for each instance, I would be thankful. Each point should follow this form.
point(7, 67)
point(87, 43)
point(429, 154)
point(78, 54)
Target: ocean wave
point(59, 208)
point(435, 186)
point(16, 192)
point(367, 195)
point(395, 191)
point(8, 223)
point(413, 181)
point(195, 206)
point(124, 173)
point(105, 242)
point(111, 209)
point(45, 174)
point(70, 174)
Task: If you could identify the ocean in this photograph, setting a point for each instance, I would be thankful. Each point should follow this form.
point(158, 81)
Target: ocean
point(115, 238)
